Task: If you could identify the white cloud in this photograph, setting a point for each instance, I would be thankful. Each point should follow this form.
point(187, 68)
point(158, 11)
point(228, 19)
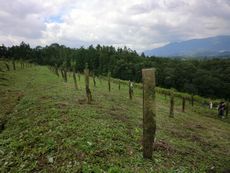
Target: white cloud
point(138, 24)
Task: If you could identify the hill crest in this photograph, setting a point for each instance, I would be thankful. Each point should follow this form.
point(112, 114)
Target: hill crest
point(206, 47)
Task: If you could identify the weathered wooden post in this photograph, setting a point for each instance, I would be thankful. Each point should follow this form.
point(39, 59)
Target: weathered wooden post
point(64, 68)
point(130, 90)
point(119, 84)
point(149, 111)
point(88, 92)
point(74, 78)
point(183, 104)
point(7, 66)
point(62, 74)
point(56, 70)
point(171, 111)
point(94, 80)
point(109, 85)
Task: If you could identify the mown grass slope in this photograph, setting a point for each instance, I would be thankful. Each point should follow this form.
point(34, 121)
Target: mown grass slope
point(49, 127)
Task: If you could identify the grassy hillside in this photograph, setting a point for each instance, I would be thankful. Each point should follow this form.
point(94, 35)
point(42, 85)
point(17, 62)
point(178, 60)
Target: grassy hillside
point(49, 127)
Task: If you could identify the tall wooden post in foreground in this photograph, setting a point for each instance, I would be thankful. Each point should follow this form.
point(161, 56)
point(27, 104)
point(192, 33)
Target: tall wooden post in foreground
point(171, 110)
point(149, 111)
point(88, 92)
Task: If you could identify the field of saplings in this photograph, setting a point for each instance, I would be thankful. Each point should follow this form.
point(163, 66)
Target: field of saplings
point(52, 120)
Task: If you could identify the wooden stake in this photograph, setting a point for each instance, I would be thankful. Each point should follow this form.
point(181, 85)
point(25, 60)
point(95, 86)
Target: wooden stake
point(119, 85)
point(62, 74)
point(94, 80)
point(192, 100)
point(149, 111)
point(183, 104)
point(74, 79)
point(56, 70)
point(109, 85)
point(171, 111)
point(88, 92)
point(130, 91)
point(7, 66)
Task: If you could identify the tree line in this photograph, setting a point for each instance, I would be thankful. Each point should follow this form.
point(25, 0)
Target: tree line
point(205, 77)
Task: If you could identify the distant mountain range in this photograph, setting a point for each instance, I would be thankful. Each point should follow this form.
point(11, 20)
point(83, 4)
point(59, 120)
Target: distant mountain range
point(206, 47)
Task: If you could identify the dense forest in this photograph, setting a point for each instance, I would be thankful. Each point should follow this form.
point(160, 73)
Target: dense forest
point(206, 77)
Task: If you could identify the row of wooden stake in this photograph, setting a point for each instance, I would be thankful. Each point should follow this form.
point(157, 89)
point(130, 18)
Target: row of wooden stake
point(149, 104)
point(89, 94)
point(22, 64)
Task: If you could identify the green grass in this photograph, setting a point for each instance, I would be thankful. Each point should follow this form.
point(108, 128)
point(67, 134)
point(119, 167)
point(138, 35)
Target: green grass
point(50, 128)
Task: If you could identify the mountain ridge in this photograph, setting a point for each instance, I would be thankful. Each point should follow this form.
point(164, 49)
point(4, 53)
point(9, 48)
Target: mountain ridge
point(208, 47)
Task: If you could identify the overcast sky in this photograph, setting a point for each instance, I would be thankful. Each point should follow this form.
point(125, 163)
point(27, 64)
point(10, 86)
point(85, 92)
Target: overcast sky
point(138, 24)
